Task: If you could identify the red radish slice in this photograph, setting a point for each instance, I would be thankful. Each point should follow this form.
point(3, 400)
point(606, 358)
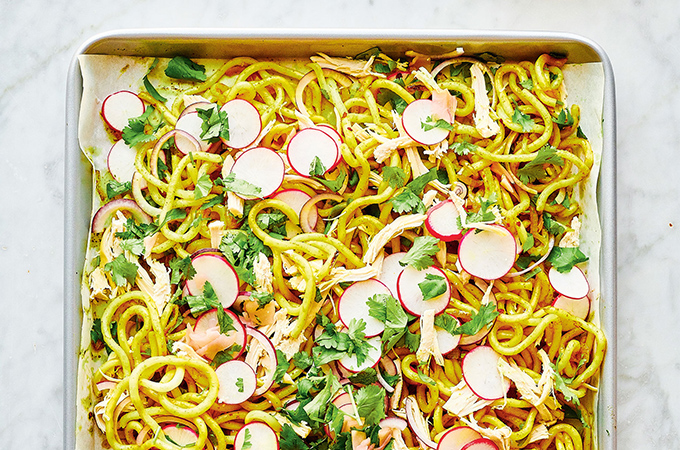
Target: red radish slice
point(244, 121)
point(196, 106)
point(261, 167)
point(578, 307)
point(296, 199)
point(308, 144)
point(104, 215)
point(353, 305)
point(418, 113)
point(256, 436)
point(121, 161)
point(447, 341)
point(237, 382)
point(457, 438)
point(206, 339)
point(391, 269)
point(481, 444)
point(572, 284)
point(191, 124)
point(119, 107)
point(222, 277)
point(209, 250)
point(269, 362)
point(180, 434)
point(342, 399)
point(442, 221)
point(393, 422)
point(410, 295)
point(480, 370)
point(488, 253)
point(332, 132)
point(350, 363)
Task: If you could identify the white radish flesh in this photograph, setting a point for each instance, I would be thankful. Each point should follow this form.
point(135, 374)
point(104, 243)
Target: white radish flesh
point(121, 161)
point(446, 341)
point(191, 124)
point(353, 305)
point(578, 307)
point(218, 272)
point(442, 221)
point(481, 444)
point(296, 199)
point(390, 271)
point(416, 114)
point(237, 382)
point(269, 362)
point(457, 438)
point(244, 122)
point(332, 132)
point(256, 436)
point(104, 215)
point(261, 167)
point(572, 284)
point(481, 374)
point(350, 362)
point(308, 144)
point(180, 434)
point(487, 253)
point(410, 295)
point(119, 107)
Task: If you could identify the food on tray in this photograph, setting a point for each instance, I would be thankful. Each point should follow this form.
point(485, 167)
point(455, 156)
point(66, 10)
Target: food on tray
point(377, 252)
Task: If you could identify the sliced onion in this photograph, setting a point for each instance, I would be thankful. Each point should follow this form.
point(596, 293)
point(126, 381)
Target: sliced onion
point(551, 244)
point(268, 378)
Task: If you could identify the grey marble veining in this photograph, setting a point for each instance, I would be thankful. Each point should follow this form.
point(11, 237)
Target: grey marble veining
point(38, 39)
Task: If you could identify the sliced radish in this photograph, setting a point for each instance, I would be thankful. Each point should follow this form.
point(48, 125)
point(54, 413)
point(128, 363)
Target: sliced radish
point(261, 167)
point(119, 107)
point(396, 423)
point(487, 253)
point(121, 161)
point(578, 307)
point(104, 215)
point(308, 144)
point(268, 362)
point(205, 337)
point(191, 124)
point(458, 437)
point(342, 398)
point(481, 334)
point(296, 199)
point(353, 304)
point(180, 434)
point(442, 221)
point(416, 115)
point(237, 382)
point(244, 121)
point(572, 284)
point(222, 277)
point(391, 269)
point(447, 341)
point(332, 132)
point(256, 436)
point(481, 374)
point(196, 106)
point(350, 363)
point(410, 295)
point(481, 444)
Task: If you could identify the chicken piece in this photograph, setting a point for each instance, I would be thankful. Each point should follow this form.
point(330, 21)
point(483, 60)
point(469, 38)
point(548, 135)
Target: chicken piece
point(463, 401)
point(571, 238)
point(353, 67)
point(501, 436)
point(263, 274)
point(485, 125)
point(392, 230)
point(159, 288)
point(429, 345)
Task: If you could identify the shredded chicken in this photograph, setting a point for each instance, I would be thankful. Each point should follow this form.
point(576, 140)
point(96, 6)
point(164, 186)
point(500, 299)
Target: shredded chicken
point(301, 430)
point(184, 350)
point(279, 334)
point(452, 54)
point(484, 124)
point(99, 409)
point(539, 433)
point(263, 274)
point(341, 274)
point(501, 436)
point(99, 284)
point(353, 67)
point(444, 103)
point(391, 230)
point(536, 394)
point(463, 401)
point(216, 229)
point(234, 202)
point(159, 288)
point(429, 345)
point(571, 238)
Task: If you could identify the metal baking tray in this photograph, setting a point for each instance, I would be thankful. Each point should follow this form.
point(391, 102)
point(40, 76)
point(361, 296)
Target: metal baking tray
point(225, 43)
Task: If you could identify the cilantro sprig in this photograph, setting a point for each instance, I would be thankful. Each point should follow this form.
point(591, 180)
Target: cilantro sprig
point(534, 169)
point(183, 68)
point(333, 344)
point(419, 256)
point(142, 129)
point(409, 199)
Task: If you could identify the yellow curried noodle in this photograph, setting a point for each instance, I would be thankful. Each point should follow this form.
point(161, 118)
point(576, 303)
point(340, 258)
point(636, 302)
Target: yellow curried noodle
point(145, 381)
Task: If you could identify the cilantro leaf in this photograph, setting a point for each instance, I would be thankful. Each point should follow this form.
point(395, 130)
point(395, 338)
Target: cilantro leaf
point(365, 378)
point(533, 170)
point(522, 120)
point(122, 270)
point(182, 68)
point(388, 96)
point(371, 404)
point(333, 185)
point(316, 167)
point(528, 243)
point(463, 148)
point(114, 188)
point(564, 119)
point(203, 186)
point(214, 125)
point(407, 201)
point(302, 360)
point(527, 84)
point(419, 256)
point(208, 300)
point(429, 124)
point(551, 225)
point(316, 408)
point(282, 365)
point(152, 90)
point(433, 286)
point(446, 322)
point(289, 439)
point(333, 344)
point(239, 385)
point(395, 176)
point(485, 316)
point(565, 258)
point(136, 130)
point(388, 310)
point(419, 183)
point(562, 385)
point(237, 186)
point(262, 298)
point(134, 246)
point(241, 249)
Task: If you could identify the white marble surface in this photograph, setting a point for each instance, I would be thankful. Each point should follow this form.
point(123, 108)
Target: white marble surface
point(38, 39)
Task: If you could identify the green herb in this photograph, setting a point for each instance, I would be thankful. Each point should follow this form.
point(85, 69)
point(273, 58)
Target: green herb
point(426, 379)
point(461, 70)
point(463, 148)
point(239, 384)
point(302, 360)
point(523, 120)
point(242, 249)
point(237, 186)
point(446, 322)
point(114, 188)
point(316, 408)
point(203, 186)
point(562, 385)
point(289, 439)
point(214, 200)
point(333, 185)
point(136, 130)
point(419, 256)
point(134, 246)
point(486, 315)
point(367, 54)
point(394, 176)
point(551, 225)
point(528, 243)
point(97, 336)
point(246, 435)
point(364, 378)
point(181, 269)
point(527, 84)
point(214, 125)
point(122, 270)
point(564, 119)
point(489, 57)
point(333, 345)
point(316, 167)
point(182, 68)
point(208, 300)
point(430, 124)
point(409, 199)
point(388, 96)
point(282, 366)
point(388, 310)
point(262, 298)
point(371, 404)
point(565, 258)
point(433, 286)
point(384, 66)
point(225, 355)
point(533, 170)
